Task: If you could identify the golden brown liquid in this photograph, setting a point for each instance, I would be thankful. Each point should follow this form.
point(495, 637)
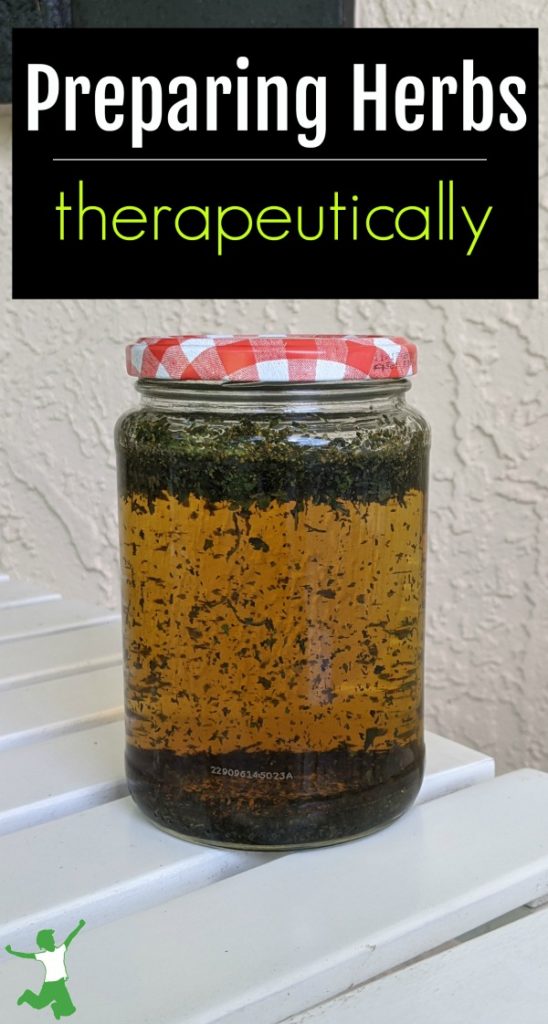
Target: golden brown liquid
point(269, 631)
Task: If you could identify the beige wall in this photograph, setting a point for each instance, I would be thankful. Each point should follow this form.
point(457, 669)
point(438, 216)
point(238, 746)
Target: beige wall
point(483, 385)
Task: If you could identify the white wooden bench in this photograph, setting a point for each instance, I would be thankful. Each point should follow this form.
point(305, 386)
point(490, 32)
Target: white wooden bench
point(182, 934)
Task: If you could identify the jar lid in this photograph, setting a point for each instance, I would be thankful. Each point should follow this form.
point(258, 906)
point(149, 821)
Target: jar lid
point(272, 357)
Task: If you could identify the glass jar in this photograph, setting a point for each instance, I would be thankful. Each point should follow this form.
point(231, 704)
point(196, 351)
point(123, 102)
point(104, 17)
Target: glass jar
point(273, 554)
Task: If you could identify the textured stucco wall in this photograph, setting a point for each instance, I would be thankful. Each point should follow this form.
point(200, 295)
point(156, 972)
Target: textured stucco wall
point(483, 385)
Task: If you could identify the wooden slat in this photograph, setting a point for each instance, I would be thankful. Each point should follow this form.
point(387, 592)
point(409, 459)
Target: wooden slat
point(285, 936)
point(14, 594)
point(61, 776)
point(92, 772)
point(102, 863)
point(29, 714)
point(451, 766)
point(50, 617)
point(497, 978)
point(46, 657)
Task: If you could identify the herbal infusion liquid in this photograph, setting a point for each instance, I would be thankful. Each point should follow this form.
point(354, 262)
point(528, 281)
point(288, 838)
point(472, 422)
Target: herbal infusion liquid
point(272, 520)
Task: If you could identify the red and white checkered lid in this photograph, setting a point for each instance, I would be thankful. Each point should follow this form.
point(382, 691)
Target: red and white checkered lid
point(263, 358)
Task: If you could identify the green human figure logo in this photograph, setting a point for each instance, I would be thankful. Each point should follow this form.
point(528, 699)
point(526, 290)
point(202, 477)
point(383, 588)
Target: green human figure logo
point(54, 991)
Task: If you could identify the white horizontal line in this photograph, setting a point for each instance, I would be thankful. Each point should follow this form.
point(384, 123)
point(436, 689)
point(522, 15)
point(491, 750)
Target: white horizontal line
point(269, 159)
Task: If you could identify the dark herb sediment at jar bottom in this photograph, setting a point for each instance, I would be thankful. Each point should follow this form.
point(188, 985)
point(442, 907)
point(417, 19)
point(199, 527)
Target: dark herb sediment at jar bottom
point(273, 581)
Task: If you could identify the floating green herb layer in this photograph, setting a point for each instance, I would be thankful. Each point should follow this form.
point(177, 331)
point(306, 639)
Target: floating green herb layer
point(260, 460)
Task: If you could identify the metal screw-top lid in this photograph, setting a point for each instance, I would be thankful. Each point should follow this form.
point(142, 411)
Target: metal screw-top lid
point(272, 357)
